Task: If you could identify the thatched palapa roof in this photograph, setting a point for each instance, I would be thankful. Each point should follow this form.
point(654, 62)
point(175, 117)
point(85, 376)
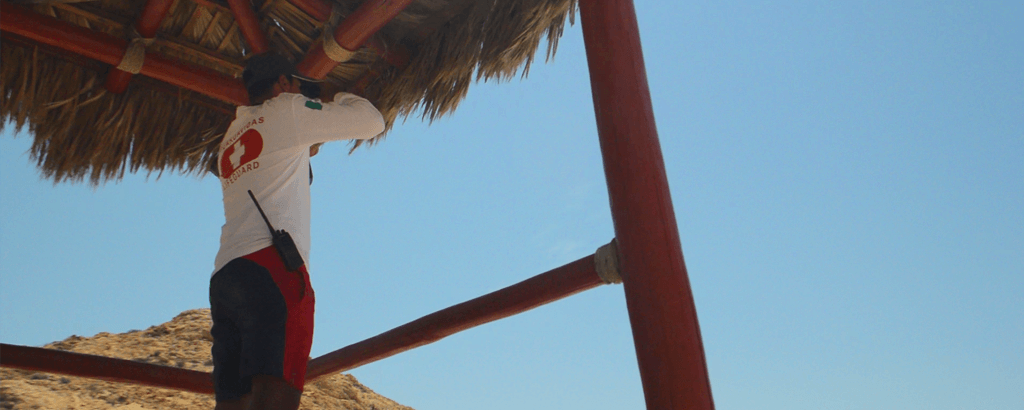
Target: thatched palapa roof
point(420, 63)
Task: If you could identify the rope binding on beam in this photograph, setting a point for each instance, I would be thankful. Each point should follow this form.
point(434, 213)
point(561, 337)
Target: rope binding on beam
point(606, 260)
point(135, 55)
point(334, 51)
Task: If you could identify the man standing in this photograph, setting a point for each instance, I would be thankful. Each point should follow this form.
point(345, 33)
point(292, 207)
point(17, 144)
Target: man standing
point(262, 310)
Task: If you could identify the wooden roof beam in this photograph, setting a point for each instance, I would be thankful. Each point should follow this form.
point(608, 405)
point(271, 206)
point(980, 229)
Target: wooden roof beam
point(152, 14)
point(395, 54)
point(318, 9)
point(249, 24)
point(108, 49)
point(351, 34)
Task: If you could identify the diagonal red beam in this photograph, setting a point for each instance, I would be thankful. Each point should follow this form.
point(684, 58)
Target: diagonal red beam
point(104, 368)
point(351, 34)
point(318, 9)
point(249, 25)
point(108, 49)
point(547, 287)
point(396, 55)
point(152, 14)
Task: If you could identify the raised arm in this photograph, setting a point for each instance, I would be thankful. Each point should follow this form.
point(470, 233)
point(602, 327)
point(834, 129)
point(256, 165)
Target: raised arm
point(347, 117)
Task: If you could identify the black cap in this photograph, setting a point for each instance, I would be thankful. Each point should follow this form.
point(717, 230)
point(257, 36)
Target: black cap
point(269, 66)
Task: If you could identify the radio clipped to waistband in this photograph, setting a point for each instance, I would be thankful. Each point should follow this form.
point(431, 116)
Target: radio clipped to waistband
point(282, 241)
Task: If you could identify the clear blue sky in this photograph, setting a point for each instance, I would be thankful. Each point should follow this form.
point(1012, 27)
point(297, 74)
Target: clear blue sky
point(848, 179)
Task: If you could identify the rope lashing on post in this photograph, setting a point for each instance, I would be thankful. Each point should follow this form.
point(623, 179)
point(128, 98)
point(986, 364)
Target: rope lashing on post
point(606, 261)
point(334, 50)
point(135, 55)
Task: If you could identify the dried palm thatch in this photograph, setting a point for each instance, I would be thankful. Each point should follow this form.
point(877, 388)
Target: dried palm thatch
point(84, 132)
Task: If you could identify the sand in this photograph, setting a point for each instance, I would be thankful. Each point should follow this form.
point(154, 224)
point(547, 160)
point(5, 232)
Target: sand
point(183, 342)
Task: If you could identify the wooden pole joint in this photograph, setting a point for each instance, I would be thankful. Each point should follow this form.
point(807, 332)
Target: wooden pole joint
point(606, 259)
point(134, 55)
point(350, 35)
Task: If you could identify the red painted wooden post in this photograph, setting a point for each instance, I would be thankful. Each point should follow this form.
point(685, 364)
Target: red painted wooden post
point(661, 308)
point(102, 47)
point(249, 25)
point(152, 14)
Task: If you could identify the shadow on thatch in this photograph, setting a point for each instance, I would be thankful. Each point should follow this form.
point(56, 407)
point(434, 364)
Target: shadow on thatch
point(83, 132)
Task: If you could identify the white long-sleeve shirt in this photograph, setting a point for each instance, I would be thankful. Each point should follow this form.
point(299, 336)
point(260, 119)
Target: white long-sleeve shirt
point(266, 150)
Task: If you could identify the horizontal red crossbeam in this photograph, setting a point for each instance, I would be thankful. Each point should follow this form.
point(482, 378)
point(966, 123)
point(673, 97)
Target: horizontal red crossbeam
point(104, 368)
point(547, 287)
point(351, 34)
point(108, 49)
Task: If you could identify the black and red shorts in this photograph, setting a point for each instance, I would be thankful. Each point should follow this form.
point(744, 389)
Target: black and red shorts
point(262, 323)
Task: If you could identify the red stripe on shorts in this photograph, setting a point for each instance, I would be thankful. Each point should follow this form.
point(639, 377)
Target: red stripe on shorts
point(300, 300)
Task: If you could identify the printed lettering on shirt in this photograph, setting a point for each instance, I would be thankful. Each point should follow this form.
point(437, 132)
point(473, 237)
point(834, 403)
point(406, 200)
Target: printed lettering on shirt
point(240, 157)
point(242, 130)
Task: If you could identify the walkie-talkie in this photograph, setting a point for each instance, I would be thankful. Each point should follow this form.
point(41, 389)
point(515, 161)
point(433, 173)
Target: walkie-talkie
point(282, 241)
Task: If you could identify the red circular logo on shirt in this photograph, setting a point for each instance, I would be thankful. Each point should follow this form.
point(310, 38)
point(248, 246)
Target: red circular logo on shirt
point(247, 148)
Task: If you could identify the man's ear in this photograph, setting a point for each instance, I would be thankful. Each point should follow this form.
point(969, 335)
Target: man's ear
point(283, 81)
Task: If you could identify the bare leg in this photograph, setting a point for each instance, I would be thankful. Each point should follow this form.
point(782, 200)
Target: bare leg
point(273, 393)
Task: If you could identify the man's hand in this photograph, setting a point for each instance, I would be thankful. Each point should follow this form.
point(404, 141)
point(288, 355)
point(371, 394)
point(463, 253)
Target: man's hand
point(329, 90)
point(325, 91)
